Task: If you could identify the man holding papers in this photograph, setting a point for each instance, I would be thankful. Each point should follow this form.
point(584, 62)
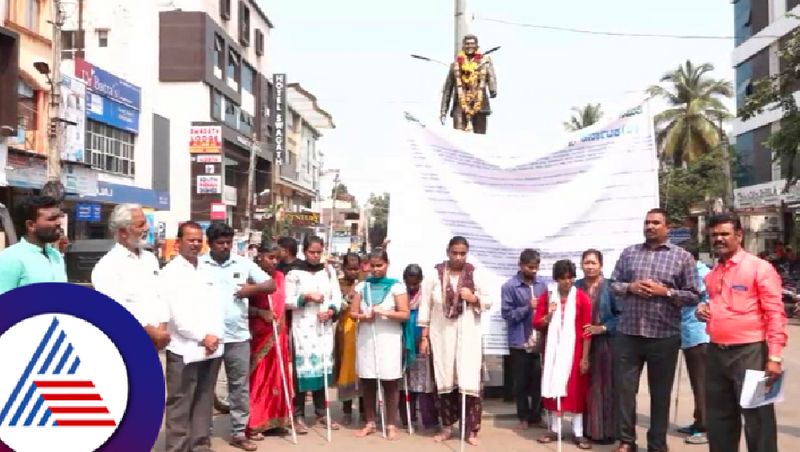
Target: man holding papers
point(746, 323)
point(194, 354)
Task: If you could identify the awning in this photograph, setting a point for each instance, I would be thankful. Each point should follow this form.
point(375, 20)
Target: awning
point(305, 104)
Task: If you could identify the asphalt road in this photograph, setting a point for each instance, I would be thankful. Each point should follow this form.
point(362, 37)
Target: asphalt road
point(498, 422)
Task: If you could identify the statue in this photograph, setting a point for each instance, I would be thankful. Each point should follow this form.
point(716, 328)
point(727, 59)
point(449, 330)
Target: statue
point(469, 77)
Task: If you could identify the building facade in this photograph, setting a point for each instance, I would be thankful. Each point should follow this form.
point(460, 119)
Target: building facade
point(760, 26)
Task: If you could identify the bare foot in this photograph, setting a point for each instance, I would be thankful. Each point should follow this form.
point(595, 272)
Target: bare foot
point(367, 430)
point(473, 440)
point(391, 433)
point(445, 434)
point(521, 426)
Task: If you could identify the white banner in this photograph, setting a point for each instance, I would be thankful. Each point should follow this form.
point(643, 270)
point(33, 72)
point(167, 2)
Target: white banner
point(593, 193)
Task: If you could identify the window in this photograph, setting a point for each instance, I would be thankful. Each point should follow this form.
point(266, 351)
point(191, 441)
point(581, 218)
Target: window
point(219, 56)
point(32, 15)
point(244, 24)
point(72, 45)
point(109, 149)
point(259, 42)
point(26, 106)
point(247, 78)
point(216, 104)
point(225, 9)
point(102, 38)
point(234, 69)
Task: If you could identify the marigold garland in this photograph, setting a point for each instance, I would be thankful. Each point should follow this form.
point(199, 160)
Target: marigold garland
point(470, 75)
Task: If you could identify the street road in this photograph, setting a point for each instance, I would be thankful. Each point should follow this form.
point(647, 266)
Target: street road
point(498, 422)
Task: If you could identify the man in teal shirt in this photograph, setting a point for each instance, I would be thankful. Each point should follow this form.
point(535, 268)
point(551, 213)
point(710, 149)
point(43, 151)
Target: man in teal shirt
point(34, 259)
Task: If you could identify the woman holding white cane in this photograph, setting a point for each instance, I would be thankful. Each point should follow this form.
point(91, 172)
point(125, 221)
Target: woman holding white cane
point(312, 292)
point(270, 410)
point(381, 306)
point(562, 313)
point(450, 316)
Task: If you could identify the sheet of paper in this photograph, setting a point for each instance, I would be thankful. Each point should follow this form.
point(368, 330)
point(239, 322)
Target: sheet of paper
point(197, 354)
point(755, 393)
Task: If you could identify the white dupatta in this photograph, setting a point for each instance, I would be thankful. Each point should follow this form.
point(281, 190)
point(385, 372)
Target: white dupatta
point(560, 345)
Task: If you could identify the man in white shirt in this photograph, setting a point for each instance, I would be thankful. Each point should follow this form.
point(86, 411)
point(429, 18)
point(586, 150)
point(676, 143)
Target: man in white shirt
point(128, 273)
point(194, 354)
point(238, 278)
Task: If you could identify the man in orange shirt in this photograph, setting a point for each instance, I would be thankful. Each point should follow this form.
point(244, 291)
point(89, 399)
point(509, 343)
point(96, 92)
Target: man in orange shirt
point(746, 322)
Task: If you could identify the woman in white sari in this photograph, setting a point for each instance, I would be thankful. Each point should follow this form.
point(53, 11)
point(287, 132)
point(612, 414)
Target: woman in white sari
point(450, 315)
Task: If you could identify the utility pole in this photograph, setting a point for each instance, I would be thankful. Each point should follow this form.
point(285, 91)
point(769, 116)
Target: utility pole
point(726, 168)
point(333, 209)
point(463, 21)
point(54, 186)
point(251, 181)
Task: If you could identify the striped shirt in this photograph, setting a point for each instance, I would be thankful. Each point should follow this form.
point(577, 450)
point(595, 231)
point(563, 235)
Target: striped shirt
point(654, 317)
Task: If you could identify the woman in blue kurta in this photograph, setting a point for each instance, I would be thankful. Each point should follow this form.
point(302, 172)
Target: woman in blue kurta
point(599, 421)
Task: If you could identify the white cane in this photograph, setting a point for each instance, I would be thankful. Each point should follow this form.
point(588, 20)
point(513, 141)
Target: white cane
point(461, 388)
point(282, 370)
point(408, 404)
point(379, 388)
point(558, 418)
point(325, 383)
point(678, 387)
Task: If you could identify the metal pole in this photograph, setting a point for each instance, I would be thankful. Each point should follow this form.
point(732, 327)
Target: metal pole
point(53, 152)
point(251, 181)
point(333, 210)
point(726, 167)
point(462, 23)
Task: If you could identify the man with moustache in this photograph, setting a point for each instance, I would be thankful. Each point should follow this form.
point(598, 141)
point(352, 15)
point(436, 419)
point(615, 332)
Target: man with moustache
point(128, 273)
point(34, 259)
point(196, 327)
point(238, 279)
point(653, 280)
point(747, 324)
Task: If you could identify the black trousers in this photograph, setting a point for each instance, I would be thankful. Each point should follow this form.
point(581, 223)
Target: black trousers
point(300, 403)
point(695, 358)
point(724, 378)
point(526, 370)
point(661, 356)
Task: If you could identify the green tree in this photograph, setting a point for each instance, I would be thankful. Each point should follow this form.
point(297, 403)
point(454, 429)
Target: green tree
point(379, 211)
point(340, 189)
point(583, 117)
point(691, 126)
point(682, 187)
point(776, 92)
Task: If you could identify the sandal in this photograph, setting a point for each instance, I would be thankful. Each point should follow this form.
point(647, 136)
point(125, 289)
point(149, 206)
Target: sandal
point(472, 440)
point(257, 436)
point(368, 429)
point(547, 438)
point(583, 443)
point(443, 435)
point(323, 421)
point(300, 426)
point(391, 433)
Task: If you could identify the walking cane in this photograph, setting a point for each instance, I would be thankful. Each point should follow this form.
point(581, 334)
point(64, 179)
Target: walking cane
point(677, 387)
point(558, 417)
point(325, 382)
point(408, 404)
point(463, 394)
point(377, 372)
point(282, 370)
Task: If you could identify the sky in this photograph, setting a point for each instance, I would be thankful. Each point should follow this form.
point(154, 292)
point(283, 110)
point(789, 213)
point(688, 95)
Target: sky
point(354, 55)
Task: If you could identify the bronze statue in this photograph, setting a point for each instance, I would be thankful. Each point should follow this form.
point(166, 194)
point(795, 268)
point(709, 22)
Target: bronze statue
point(469, 77)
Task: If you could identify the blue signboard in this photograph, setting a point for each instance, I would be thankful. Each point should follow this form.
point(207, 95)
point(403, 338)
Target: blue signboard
point(90, 212)
point(108, 85)
point(107, 111)
point(119, 194)
point(679, 235)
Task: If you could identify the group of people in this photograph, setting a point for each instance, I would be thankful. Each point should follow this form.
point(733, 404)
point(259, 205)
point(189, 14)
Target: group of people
point(284, 327)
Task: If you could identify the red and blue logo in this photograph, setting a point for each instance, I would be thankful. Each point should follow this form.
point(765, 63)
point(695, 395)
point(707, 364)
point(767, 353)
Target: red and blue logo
point(79, 373)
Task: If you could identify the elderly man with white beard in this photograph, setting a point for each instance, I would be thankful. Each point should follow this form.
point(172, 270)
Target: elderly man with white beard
point(129, 273)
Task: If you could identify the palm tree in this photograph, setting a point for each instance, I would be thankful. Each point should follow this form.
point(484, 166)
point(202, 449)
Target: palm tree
point(583, 117)
point(692, 125)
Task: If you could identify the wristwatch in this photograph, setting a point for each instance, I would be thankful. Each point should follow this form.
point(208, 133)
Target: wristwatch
point(776, 359)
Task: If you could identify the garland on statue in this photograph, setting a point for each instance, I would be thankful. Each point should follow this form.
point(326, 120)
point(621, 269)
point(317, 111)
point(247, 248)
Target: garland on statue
point(470, 75)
